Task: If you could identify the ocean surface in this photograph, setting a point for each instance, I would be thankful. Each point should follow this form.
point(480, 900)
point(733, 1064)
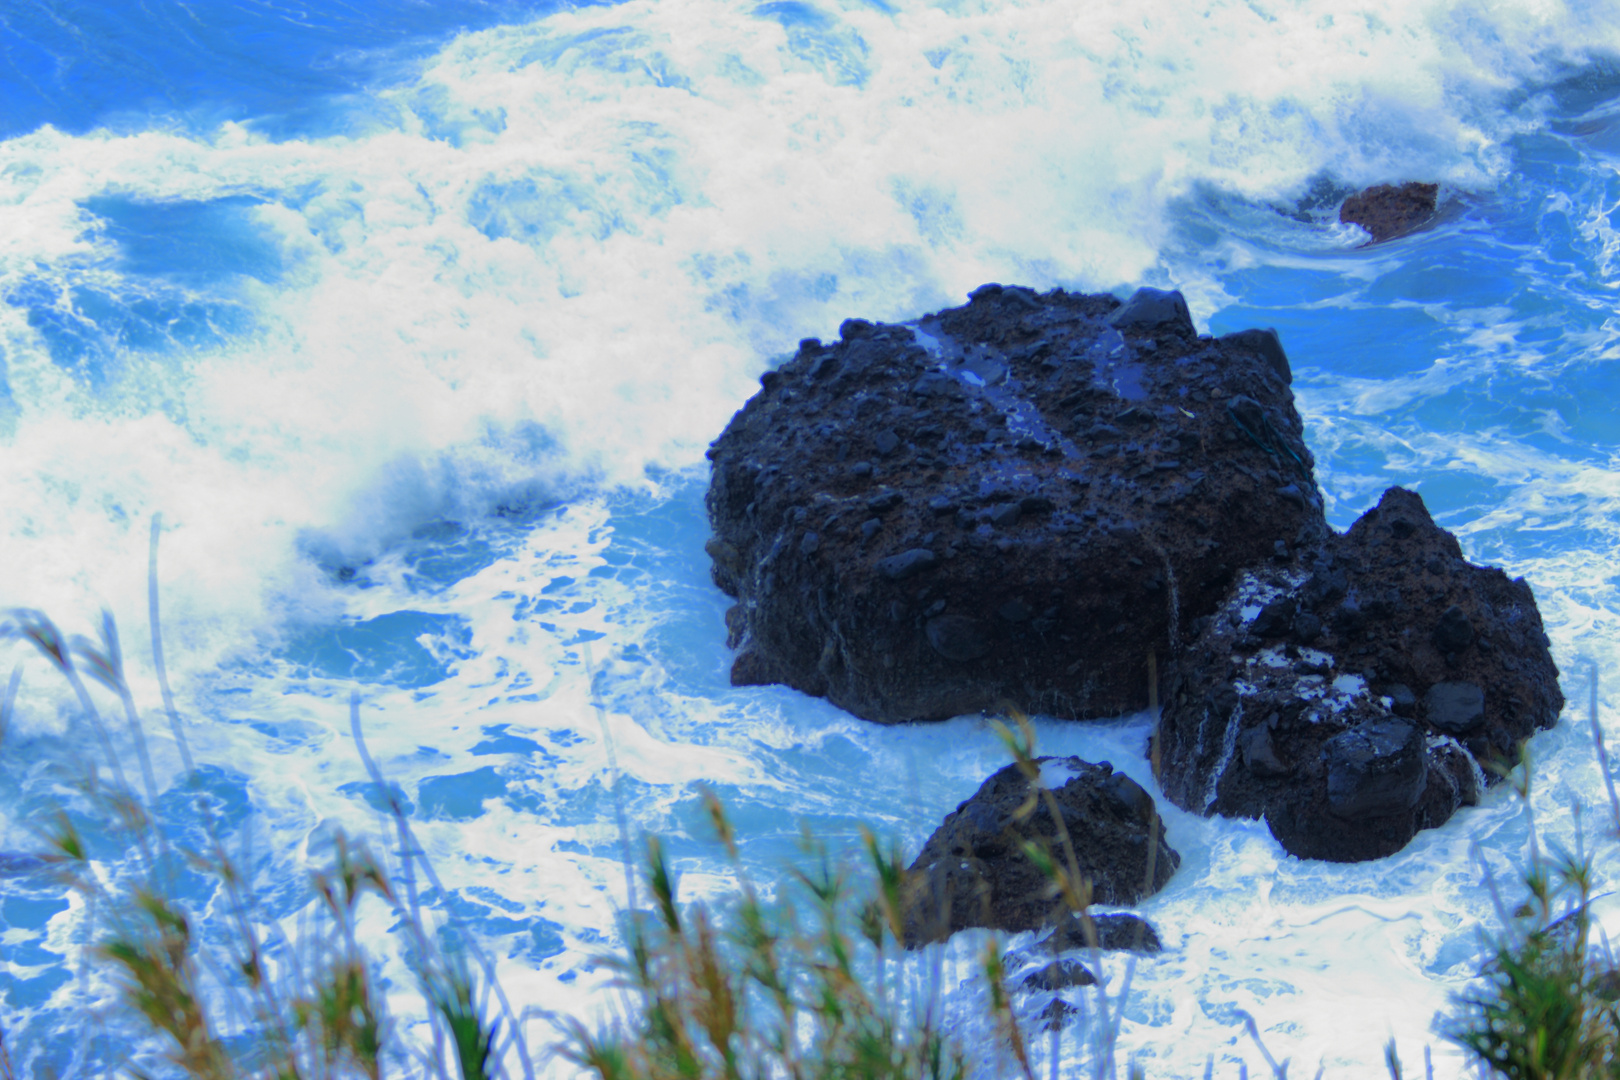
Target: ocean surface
point(412, 321)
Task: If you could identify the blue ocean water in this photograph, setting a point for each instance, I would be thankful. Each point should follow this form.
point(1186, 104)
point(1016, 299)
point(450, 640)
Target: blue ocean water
point(413, 320)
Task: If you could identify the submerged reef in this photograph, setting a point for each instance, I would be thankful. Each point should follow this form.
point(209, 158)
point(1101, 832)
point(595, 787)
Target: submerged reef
point(1033, 500)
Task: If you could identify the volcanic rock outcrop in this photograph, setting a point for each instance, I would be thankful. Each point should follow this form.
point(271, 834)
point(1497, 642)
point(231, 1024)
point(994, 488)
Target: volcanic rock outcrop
point(1023, 502)
point(1351, 698)
point(1013, 502)
point(973, 870)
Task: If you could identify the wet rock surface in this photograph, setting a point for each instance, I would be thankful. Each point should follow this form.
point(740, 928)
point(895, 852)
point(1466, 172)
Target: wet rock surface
point(1389, 210)
point(1016, 503)
point(973, 871)
point(1119, 930)
point(1008, 503)
point(1350, 696)
point(1056, 975)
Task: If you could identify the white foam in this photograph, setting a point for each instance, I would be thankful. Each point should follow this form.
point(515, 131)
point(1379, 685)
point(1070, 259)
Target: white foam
point(1056, 772)
point(564, 264)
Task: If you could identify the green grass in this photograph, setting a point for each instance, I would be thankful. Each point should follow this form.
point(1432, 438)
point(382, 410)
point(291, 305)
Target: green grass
point(1547, 1007)
point(803, 979)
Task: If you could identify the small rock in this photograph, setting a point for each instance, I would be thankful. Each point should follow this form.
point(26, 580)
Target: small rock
point(989, 372)
point(1015, 611)
point(1058, 975)
point(1004, 516)
point(1266, 345)
point(1456, 708)
point(973, 870)
point(885, 501)
point(1454, 633)
point(1149, 308)
point(1274, 619)
point(1387, 211)
point(957, 637)
point(1326, 586)
point(885, 442)
point(1056, 1014)
point(1375, 770)
point(1307, 627)
point(1130, 796)
point(1121, 931)
point(1259, 755)
point(937, 384)
point(1402, 702)
point(907, 563)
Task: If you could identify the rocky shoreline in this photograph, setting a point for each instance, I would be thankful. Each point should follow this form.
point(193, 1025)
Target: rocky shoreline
point(1031, 501)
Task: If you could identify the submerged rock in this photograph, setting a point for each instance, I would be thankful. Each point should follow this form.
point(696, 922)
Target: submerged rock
point(1013, 502)
point(973, 870)
point(1351, 699)
point(1388, 211)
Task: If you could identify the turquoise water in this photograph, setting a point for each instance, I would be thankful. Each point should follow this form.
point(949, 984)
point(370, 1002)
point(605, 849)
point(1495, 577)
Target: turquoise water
point(413, 321)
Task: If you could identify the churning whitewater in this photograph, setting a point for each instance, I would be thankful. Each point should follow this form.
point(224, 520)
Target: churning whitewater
point(412, 322)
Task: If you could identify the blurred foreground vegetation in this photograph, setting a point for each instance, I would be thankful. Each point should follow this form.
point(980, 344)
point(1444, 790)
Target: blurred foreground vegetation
point(749, 990)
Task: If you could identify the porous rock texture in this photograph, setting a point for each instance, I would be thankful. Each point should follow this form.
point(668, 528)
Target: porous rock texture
point(1020, 502)
point(1388, 210)
point(1010, 503)
point(973, 870)
point(1349, 697)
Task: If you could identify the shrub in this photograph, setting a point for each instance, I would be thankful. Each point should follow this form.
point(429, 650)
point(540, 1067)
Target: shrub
point(1547, 1010)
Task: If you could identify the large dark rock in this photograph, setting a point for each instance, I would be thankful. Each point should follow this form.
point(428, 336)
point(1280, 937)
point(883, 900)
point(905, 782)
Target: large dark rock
point(1013, 502)
point(1018, 502)
point(1388, 211)
point(974, 872)
point(1350, 698)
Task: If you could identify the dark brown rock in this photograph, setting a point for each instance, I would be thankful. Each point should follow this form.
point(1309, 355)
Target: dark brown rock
point(1075, 481)
point(1388, 211)
point(1348, 745)
point(1075, 485)
point(973, 870)
point(1118, 930)
point(1057, 975)
point(1056, 1015)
